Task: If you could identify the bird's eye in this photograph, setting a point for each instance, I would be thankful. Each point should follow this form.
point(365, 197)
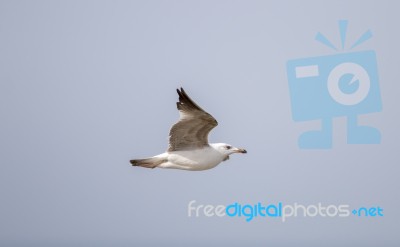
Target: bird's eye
point(228, 147)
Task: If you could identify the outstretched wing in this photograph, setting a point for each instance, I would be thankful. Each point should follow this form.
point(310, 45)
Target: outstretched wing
point(191, 131)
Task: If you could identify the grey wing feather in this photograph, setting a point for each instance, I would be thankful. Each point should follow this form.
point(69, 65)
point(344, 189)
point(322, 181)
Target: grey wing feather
point(193, 127)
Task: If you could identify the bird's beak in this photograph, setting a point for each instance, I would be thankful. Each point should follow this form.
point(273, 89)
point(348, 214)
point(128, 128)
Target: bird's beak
point(240, 150)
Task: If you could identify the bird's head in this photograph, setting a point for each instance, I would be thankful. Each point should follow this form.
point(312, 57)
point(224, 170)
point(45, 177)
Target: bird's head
point(227, 149)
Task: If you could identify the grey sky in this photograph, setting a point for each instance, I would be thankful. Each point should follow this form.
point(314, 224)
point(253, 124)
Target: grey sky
point(87, 85)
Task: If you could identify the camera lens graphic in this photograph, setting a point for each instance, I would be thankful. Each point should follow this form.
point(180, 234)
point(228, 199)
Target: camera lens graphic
point(335, 87)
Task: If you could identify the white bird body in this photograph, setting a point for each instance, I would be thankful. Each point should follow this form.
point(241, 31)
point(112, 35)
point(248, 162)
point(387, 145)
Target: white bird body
point(194, 160)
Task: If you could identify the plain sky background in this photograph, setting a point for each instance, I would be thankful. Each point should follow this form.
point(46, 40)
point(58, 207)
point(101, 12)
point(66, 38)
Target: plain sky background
point(85, 86)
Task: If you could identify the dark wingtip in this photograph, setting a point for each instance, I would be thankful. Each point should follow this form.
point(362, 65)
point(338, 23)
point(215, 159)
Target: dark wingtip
point(133, 162)
point(180, 92)
point(186, 100)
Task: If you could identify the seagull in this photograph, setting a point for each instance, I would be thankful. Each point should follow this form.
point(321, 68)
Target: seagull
point(188, 141)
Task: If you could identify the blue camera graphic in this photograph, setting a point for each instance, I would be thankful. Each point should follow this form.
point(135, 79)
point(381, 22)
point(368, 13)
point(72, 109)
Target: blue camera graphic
point(344, 84)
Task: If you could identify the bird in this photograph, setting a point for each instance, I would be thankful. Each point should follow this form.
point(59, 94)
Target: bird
point(188, 147)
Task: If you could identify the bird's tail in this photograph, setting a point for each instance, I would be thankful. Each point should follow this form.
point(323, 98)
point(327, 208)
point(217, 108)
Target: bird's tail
point(152, 162)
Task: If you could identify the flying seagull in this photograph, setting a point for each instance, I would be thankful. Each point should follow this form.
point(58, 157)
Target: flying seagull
point(188, 141)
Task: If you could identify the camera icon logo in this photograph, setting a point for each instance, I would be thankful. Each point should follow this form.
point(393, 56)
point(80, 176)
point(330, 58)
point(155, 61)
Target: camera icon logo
point(344, 84)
